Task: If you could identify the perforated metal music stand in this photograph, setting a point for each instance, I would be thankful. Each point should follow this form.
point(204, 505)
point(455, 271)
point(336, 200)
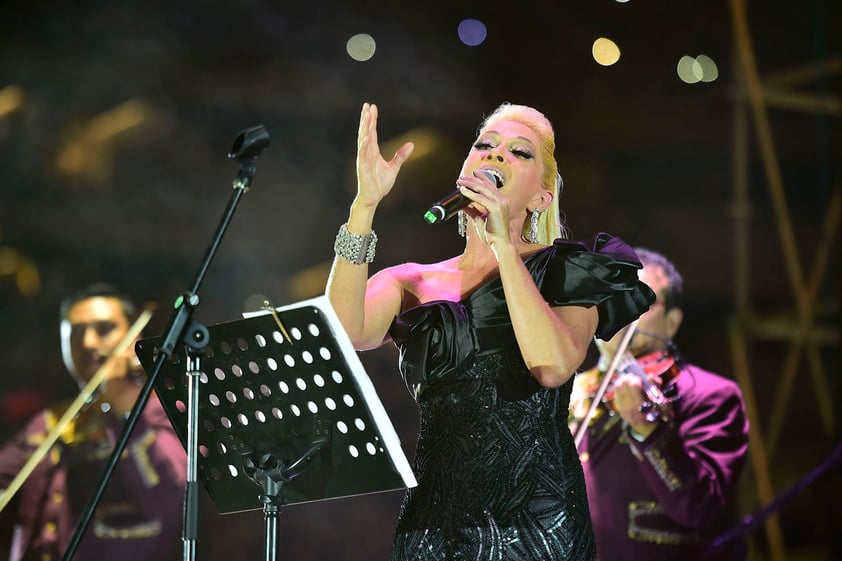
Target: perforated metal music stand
point(289, 399)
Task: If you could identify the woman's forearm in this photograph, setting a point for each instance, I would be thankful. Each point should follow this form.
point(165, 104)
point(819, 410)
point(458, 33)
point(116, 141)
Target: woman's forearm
point(553, 341)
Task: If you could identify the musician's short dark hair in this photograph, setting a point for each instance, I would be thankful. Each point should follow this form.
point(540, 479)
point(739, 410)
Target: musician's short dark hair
point(99, 289)
point(674, 292)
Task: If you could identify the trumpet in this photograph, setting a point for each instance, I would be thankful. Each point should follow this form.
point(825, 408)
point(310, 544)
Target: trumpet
point(75, 407)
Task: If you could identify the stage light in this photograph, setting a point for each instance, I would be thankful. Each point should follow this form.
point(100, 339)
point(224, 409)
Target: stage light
point(472, 32)
point(710, 72)
point(689, 70)
point(605, 51)
point(20, 270)
point(89, 147)
point(700, 69)
point(28, 279)
point(9, 260)
point(361, 47)
point(11, 99)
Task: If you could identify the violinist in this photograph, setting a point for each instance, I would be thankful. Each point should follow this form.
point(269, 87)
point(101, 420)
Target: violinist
point(140, 514)
point(659, 469)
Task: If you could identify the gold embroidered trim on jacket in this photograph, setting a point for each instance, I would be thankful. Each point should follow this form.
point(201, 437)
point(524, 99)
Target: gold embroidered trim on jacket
point(670, 479)
point(651, 535)
point(145, 530)
point(104, 530)
point(144, 465)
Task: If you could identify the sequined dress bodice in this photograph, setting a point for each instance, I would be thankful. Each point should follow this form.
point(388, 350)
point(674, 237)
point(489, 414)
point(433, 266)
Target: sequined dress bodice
point(498, 474)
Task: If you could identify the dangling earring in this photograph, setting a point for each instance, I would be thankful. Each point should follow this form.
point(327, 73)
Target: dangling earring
point(462, 223)
point(532, 237)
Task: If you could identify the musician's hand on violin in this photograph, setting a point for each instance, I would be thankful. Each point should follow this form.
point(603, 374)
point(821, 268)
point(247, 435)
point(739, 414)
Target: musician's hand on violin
point(122, 384)
point(628, 399)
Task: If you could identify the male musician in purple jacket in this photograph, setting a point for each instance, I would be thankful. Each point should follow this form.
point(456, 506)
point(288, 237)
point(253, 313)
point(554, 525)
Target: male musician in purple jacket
point(140, 514)
point(656, 485)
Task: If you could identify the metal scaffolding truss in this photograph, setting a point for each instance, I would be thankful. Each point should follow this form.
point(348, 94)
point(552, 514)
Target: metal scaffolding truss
point(802, 332)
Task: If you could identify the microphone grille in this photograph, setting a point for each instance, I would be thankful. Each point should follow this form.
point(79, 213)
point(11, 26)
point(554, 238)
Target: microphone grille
point(492, 176)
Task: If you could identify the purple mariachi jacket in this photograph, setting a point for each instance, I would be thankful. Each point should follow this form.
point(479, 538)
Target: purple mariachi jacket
point(656, 499)
point(140, 515)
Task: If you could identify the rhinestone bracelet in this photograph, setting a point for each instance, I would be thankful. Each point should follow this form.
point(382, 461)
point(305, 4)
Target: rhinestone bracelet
point(356, 248)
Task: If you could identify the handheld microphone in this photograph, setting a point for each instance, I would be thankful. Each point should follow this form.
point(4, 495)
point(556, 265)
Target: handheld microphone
point(447, 207)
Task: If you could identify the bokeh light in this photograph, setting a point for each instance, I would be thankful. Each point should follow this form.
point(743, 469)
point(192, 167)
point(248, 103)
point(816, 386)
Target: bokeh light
point(23, 273)
point(605, 51)
point(699, 69)
point(11, 99)
point(472, 32)
point(28, 279)
point(689, 70)
point(361, 47)
point(9, 260)
point(710, 71)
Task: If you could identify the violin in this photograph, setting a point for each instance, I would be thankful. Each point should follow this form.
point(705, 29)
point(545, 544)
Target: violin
point(61, 426)
point(657, 372)
point(88, 427)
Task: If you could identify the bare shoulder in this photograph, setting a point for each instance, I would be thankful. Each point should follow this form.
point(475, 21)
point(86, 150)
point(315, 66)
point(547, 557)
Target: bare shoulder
point(412, 274)
point(418, 282)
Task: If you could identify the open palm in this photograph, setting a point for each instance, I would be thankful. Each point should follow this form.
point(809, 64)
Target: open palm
point(375, 175)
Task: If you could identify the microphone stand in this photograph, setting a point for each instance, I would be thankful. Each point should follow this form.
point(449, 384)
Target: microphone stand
point(751, 521)
point(271, 472)
point(247, 147)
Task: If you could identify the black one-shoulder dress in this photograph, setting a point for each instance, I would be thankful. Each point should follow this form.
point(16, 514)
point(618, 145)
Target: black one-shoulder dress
point(498, 474)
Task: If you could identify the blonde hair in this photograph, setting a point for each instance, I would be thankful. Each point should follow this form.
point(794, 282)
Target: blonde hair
point(550, 225)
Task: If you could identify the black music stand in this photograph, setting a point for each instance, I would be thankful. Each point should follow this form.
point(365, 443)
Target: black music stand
point(287, 414)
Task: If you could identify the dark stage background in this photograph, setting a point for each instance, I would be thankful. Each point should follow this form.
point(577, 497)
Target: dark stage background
point(116, 117)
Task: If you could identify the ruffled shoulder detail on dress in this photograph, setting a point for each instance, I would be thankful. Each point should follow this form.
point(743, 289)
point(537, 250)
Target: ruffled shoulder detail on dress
point(602, 273)
point(434, 339)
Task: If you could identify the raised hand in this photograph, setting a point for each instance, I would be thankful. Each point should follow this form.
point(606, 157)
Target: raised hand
point(375, 175)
